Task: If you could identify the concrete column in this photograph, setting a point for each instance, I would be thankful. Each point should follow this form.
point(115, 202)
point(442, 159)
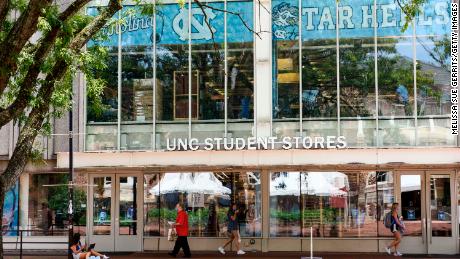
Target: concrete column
point(24, 201)
point(265, 181)
point(263, 69)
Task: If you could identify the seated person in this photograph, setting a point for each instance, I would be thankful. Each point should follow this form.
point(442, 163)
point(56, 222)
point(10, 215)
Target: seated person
point(78, 251)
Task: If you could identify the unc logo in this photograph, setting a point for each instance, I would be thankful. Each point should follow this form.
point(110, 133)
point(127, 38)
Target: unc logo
point(200, 30)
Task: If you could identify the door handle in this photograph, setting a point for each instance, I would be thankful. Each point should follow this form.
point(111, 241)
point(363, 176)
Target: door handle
point(429, 232)
point(424, 227)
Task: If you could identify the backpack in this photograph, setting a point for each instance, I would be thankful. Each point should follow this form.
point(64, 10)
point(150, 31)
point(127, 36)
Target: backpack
point(387, 219)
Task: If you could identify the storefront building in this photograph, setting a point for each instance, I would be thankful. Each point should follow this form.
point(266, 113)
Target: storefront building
point(318, 117)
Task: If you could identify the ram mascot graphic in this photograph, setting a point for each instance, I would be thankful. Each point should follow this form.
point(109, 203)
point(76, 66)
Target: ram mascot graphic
point(285, 21)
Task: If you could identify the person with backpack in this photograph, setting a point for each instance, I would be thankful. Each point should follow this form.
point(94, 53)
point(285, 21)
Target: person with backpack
point(393, 222)
point(232, 229)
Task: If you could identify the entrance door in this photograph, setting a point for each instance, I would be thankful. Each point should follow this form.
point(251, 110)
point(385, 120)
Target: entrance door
point(440, 213)
point(114, 203)
point(426, 200)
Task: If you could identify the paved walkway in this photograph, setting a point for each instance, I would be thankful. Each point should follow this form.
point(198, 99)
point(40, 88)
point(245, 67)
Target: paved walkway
point(249, 255)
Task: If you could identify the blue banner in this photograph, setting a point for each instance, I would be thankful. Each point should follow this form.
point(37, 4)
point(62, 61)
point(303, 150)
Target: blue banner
point(319, 20)
point(356, 19)
point(172, 24)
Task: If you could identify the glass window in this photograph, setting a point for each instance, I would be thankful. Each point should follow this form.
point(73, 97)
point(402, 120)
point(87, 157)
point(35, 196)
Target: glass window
point(334, 204)
point(411, 204)
point(433, 51)
point(385, 198)
point(151, 206)
point(285, 204)
point(172, 102)
point(440, 206)
point(357, 74)
point(319, 68)
point(286, 76)
point(206, 197)
point(48, 204)
point(396, 91)
point(338, 204)
point(208, 86)
point(128, 205)
point(102, 205)
point(136, 79)
point(240, 69)
point(102, 113)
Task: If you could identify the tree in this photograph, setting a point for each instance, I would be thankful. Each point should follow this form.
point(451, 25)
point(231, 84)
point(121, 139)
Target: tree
point(41, 49)
point(36, 74)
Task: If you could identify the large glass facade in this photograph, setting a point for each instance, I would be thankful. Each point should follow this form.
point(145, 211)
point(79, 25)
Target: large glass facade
point(333, 204)
point(349, 68)
point(185, 71)
point(339, 68)
point(207, 197)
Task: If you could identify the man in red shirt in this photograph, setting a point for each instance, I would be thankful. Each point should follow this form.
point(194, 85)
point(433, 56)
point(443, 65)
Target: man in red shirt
point(182, 232)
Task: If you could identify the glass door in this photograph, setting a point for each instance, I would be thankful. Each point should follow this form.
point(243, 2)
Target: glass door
point(101, 211)
point(412, 209)
point(114, 202)
point(128, 223)
point(440, 213)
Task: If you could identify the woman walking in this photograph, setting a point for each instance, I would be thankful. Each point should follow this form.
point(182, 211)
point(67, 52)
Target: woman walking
point(232, 229)
point(396, 228)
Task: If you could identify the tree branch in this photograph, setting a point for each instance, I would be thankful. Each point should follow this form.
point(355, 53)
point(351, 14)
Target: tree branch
point(36, 117)
point(73, 9)
point(237, 15)
point(30, 80)
point(89, 31)
point(17, 37)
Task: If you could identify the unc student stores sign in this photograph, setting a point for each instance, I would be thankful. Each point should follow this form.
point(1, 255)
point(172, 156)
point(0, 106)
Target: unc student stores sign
point(253, 143)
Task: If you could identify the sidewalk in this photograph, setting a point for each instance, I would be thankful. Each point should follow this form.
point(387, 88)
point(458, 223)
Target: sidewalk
point(249, 255)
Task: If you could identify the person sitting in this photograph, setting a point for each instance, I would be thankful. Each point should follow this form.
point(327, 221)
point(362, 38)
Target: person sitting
point(79, 251)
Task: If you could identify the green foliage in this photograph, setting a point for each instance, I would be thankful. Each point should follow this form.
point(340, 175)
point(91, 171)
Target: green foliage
point(410, 8)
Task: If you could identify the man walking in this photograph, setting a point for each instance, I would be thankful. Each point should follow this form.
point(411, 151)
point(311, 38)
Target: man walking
point(181, 226)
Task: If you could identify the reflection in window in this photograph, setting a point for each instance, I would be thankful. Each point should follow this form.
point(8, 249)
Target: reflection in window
point(48, 205)
point(207, 197)
point(128, 206)
point(385, 197)
point(433, 94)
point(285, 204)
point(334, 204)
point(151, 206)
point(440, 206)
point(411, 197)
point(286, 66)
point(102, 112)
point(102, 205)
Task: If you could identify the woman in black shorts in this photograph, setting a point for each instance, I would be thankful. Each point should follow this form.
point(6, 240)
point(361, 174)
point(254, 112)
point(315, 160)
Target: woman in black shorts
point(396, 228)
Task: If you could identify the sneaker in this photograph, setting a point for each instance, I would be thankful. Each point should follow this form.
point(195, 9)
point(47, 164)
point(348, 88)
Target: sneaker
point(240, 252)
point(388, 250)
point(397, 253)
point(221, 250)
point(171, 254)
point(105, 257)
